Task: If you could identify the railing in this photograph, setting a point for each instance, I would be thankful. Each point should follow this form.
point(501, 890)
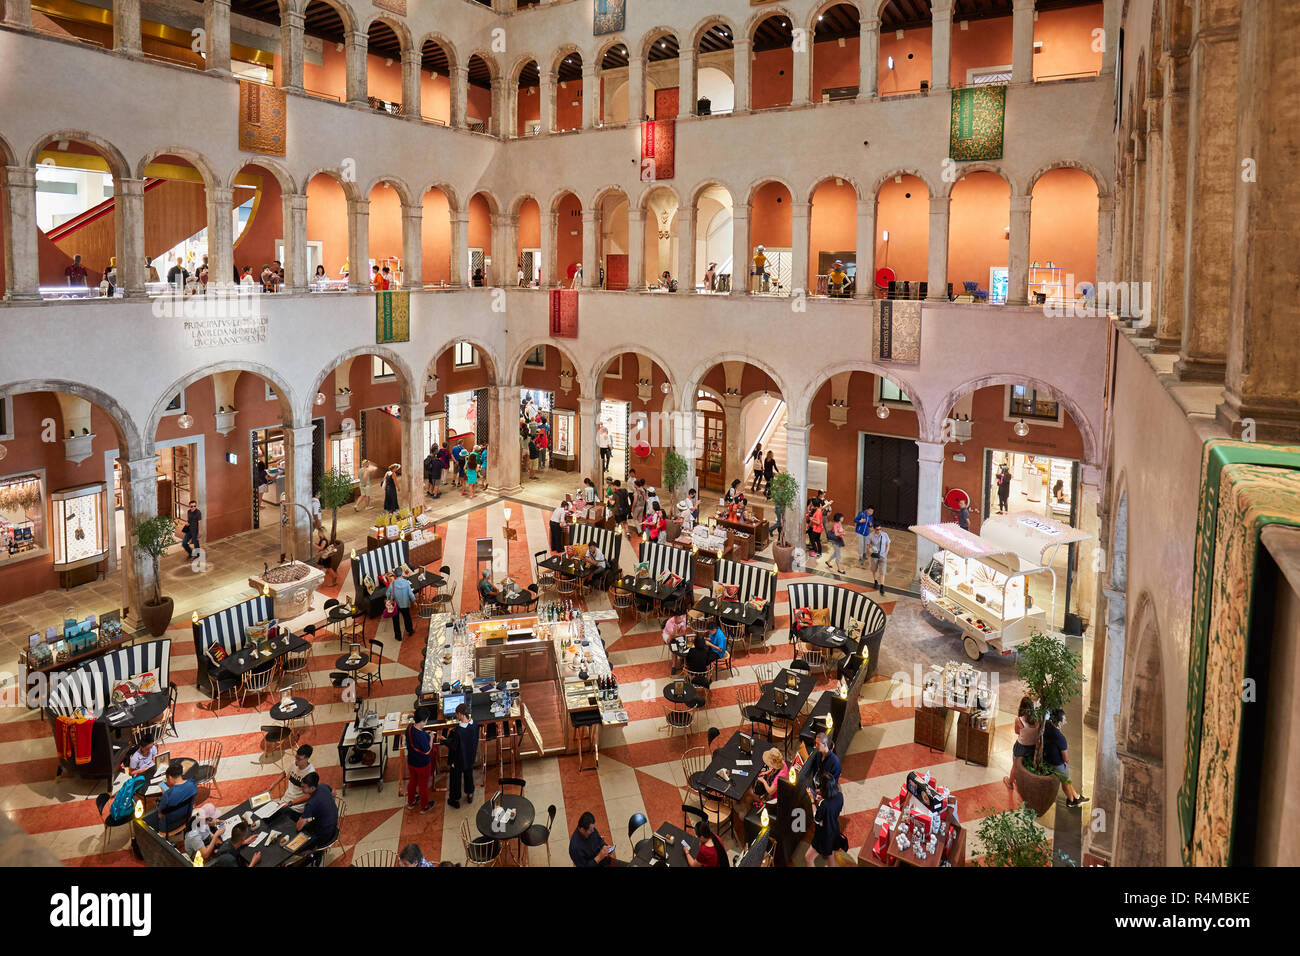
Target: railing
point(319, 94)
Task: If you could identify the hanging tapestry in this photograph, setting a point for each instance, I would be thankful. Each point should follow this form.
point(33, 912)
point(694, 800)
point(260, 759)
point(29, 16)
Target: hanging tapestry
point(392, 316)
point(1244, 488)
point(261, 118)
point(608, 16)
point(564, 313)
point(977, 118)
point(898, 332)
point(392, 6)
point(658, 149)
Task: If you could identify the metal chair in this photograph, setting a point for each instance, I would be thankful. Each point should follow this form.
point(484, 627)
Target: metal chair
point(716, 809)
point(746, 697)
point(678, 717)
point(566, 586)
point(545, 578)
point(337, 843)
point(442, 600)
point(296, 667)
point(635, 823)
point(765, 674)
point(694, 763)
point(816, 657)
point(479, 851)
point(702, 679)
point(538, 835)
point(209, 759)
point(376, 858)
point(337, 631)
point(736, 636)
point(620, 599)
point(373, 670)
point(166, 724)
point(258, 681)
point(508, 782)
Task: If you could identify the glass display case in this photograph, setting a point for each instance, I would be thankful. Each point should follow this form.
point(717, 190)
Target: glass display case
point(22, 517)
point(564, 433)
point(77, 532)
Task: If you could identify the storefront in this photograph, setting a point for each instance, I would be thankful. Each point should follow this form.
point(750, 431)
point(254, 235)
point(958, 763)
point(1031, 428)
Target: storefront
point(562, 424)
point(614, 415)
point(1039, 484)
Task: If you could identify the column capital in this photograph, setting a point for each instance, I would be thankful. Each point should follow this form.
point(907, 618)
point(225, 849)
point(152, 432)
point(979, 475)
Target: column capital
point(931, 451)
point(1106, 202)
point(738, 210)
point(870, 23)
point(218, 3)
point(939, 205)
point(220, 195)
point(142, 469)
point(459, 215)
point(740, 43)
point(414, 211)
point(20, 177)
point(636, 214)
point(797, 434)
point(801, 209)
point(294, 19)
point(411, 55)
point(1021, 203)
point(359, 206)
point(303, 435)
point(297, 201)
point(358, 38)
point(126, 187)
point(865, 205)
point(591, 215)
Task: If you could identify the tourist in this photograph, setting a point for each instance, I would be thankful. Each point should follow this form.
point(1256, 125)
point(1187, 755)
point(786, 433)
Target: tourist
point(315, 509)
point(419, 761)
point(828, 801)
point(320, 817)
point(718, 643)
point(823, 758)
point(756, 463)
point(710, 852)
point(589, 494)
point(835, 535)
point(143, 758)
point(604, 444)
point(462, 746)
point(698, 660)
point(559, 517)
point(458, 456)
point(878, 545)
point(471, 473)
point(710, 277)
point(320, 279)
point(587, 847)
point(963, 515)
point(487, 592)
point(529, 434)
point(638, 504)
point(401, 594)
point(770, 470)
point(815, 522)
point(839, 279)
point(676, 630)
point(1027, 734)
point(296, 774)
point(190, 539)
point(863, 522)
point(430, 463)
point(412, 855)
point(202, 838)
point(325, 559)
point(1056, 755)
point(622, 504)
point(694, 498)
point(228, 854)
point(390, 491)
point(173, 807)
point(363, 485)
point(444, 456)
point(478, 277)
point(651, 499)
point(768, 779)
point(1003, 481)
point(543, 445)
point(655, 523)
point(520, 269)
point(1058, 491)
point(387, 277)
point(377, 282)
point(685, 517)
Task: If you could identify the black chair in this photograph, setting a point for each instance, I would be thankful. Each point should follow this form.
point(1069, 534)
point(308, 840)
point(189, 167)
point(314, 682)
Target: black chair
point(505, 782)
point(892, 291)
point(690, 813)
point(535, 592)
point(799, 664)
point(922, 290)
point(333, 602)
point(635, 823)
point(713, 734)
point(538, 835)
point(167, 724)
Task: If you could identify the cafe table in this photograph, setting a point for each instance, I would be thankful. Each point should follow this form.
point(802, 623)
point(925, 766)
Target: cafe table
point(510, 829)
point(159, 774)
point(521, 598)
point(141, 710)
point(741, 769)
point(286, 712)
point(273, 853)
point(644, 852)
point(255, 657)
point(569, 567)
point(796, 697)
point(732, 612)
point(346, 662)
point(827, 636)
point(683, 692)
point(648, 589)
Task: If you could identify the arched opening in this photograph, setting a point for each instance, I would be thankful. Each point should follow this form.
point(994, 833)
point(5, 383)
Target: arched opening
point(384, 50)
point(662, 77)
point(328, 77)
point(660, 236)
point(568, 241)
point(479, 103)
point(835, 54)
point(435, 83)
point(904, 61)
point(630, 395)
point(176, 237)
point(979, 216)
point(902, 235)
point(614, 90)
point(568, 92)
point(328, 233)
point(548, 399)
point(435, 237)
point(76, 218)
point(1140, 817)
point(258, 203)
point(833, 237)
point(385, 235)
point(1063, 233)
point(771, 232)
point(772, 67)
point(93, 26)
point(713, 237)
point(529, 243)
point(480, 262)
point(1065, 45)
point(254, 54)
point(715, 71)
point(456, 408)
point(528, 99)
point(739, 406)
point(613, 208)
point(980, 43)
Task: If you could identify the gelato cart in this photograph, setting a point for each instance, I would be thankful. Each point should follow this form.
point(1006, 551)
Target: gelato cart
point(980, 583)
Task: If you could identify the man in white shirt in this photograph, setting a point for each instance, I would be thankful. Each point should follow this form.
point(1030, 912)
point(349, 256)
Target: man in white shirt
point(603, 443)
point(293, 794)
point(558, 518)
point(316, 511)
point(878, 545)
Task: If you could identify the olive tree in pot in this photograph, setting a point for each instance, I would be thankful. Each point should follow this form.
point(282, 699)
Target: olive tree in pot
point(1053, 676)
point(153, 537)
point(674, 476)
point(783, 492)
point(1014, 838)
point(335, 491)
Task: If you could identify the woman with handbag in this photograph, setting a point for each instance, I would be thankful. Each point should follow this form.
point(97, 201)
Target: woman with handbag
point(390, 491)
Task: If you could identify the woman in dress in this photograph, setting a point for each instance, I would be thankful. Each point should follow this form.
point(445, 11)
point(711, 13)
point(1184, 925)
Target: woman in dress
point(390, 491)
point(638, 504)
point(829, 802)
point(654, 523)
point(363, 483)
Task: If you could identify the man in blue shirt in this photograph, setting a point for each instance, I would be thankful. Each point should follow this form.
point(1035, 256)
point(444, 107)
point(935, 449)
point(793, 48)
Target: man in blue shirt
point(1056, 754)
point(718, 642)
point(320, 817)
point(863, 522)
point(824, 758)
point(174, 805)
point(587, 847)
point(400, 593)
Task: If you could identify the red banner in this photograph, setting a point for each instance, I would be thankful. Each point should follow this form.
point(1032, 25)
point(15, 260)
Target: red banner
point(658, 144)
point(564, 313)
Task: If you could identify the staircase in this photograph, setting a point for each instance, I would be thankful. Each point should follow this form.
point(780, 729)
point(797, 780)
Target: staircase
point(772, 436)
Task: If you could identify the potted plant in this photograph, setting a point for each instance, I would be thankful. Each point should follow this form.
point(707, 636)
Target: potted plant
point(783, 492)
point(335, 491)
point(1014, 838)
point(153, 537)
point(674, 477)
point(1053, 676)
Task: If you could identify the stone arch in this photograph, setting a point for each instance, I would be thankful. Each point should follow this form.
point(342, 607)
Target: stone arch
point(412, 391)
point(826, 177)
point(558, 196)
point(692, 382)
point(345, 180)
point(651, 36)
point(193, 157)
point(1087, 429)
point(766, 13)
point(698, 190)
point(402, 31)
point(1140, 813)
point(344, 9)
point(518, 203)
point(902, 171)
point(801, 405)
point(515, 365)
point(445, 42)
point(967, 168)
point(128, 433)
point(117, 164)
point(518, 67)
point(7, 155)
point(489, 357)
point(652, 188)
point(446, 189)
point(760, 181)
point(811, 24)
point(603, 193)
point(609, 44)
point(494, 205)
point(708, 23)
point(282, 175)
point(567, 49)
point(288, 397)
point(1098, 179)
point(494, 68)
point(403, 191)
point(597, 374)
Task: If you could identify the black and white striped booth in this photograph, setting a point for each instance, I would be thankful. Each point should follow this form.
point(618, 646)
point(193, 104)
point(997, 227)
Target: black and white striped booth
point(609, 542)
point(845, 604)
point(373, 563)
point(663, 557)
point(227, 628)
point(90, 687)
point(753, 581)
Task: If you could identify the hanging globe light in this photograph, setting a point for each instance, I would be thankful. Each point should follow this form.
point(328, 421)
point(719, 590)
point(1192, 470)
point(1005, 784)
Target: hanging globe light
point(882, 411)
point(1020, 428)
point(3, 451)
point(665, 387)
point(320, 398)
point(185, 421)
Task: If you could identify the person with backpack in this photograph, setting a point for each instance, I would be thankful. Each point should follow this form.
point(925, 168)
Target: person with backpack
point(863, 522)
point(471, 473)
point(433, 470)
point(429, 461)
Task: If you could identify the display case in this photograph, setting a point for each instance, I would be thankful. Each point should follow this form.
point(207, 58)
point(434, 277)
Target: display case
point(77, 526)
point(22, 517)
point(564, 451)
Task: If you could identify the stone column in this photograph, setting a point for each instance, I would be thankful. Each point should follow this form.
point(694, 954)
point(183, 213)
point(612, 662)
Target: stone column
point(459, 80)
point(731, 461)
point(1151, 217)
point(740, 57)
point(459, 249)
point(801, 239)
point(410, 488)
point(126, 27)
point(1018, 260)
point(292, 56)
point(929, 496)
point(1105, 239)
point(801, 74)
point(411, 85)
point(941, 42)
point(1262, 372)
point(128, 195)
point(1022, 41)
point(298, 486)
point(508, 237)
point(547, 105)
point(216, 21)
point(635, 90)
point(221, 235)
point(293, 209)
point(510, 121)
point(1173, 205)
point(550, 223)
point(635, 249)
point(588, 461)
point(140, 501)
point(359, 245)
point(1137, 212)
point(502, 269)
point(590, 97)
point(1110, 20)
point(22, 259)
point(868, 58)
point(686, 83)
point(937, 271)
point(1212, 174)
point(412, 247)
point(503, 451)
point(742, 255)
point(1110, 681)
point(1119, 251)
point(796, 466)
point(590, 242)
point(686, 249)
point(865, 287)
point(495, 125)
point(357, 43)
point(18, 14)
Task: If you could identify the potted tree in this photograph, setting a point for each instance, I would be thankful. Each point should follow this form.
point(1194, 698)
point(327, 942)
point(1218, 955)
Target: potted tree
point(153, 537)
point(1014, 838)
point(1053, 675)
point(783, 492)
point(335, 491)
point(674, 475)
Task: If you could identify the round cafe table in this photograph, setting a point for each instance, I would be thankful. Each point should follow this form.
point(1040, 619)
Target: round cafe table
point(511, 829)
point(350, 664)
point(682, 692)
point(301, 708)
point(828, 637)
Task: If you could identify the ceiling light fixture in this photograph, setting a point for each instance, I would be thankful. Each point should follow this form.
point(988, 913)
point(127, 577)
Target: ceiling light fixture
point(882, 411)
point(1020, 428)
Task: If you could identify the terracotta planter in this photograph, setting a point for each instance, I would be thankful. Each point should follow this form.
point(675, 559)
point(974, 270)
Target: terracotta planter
point(783, 555)
point(1038, 791)
point(157, 616)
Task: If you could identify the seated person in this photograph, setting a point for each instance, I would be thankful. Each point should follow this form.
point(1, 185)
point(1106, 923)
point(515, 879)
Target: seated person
point(765, 784)
point(320, 816)
point(710, 852)
point(412, 855)
point(295, 775)
point(173, 808)
point(700, 658)
point(718, 643)
point(595, 558)
point(587, 847)
point(228, 853)
point(487, 593)
point(677, 630)
point(204, 835)
point(142, 759)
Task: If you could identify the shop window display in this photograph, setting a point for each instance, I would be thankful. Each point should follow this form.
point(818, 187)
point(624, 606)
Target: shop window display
point(22, 517)
point(77, 526)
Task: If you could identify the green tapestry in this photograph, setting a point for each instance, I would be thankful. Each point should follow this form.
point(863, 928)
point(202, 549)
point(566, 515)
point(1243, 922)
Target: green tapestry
point(1244, 488)
point(977, 120)
point(392, 317)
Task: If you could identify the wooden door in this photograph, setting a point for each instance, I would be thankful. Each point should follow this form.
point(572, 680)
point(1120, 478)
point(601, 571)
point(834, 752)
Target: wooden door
point(890, 474)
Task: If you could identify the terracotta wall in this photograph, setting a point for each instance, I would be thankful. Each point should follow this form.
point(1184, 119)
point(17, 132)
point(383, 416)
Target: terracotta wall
point(1063, 223)
point(385, 222)
point(530, 227)
point(478, 104)
point(772, 79)
point(978, 214)
point(770, 216)
point(834, 222)
point(1067, 41)
point(330, 76)
point(568, 105)
point(435, 241)
point(480, 225)
point(327, 222)
point(907, 74)
point(529, 109)
point(256, 245)
point(435, 97)
point(568, 241)
point(983, 43)
point(624, 389)
point(834, 65)
point(907, 219)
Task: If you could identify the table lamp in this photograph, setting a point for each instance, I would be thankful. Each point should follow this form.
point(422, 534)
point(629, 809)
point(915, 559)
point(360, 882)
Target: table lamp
point(762, 818)
point(794, 775)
